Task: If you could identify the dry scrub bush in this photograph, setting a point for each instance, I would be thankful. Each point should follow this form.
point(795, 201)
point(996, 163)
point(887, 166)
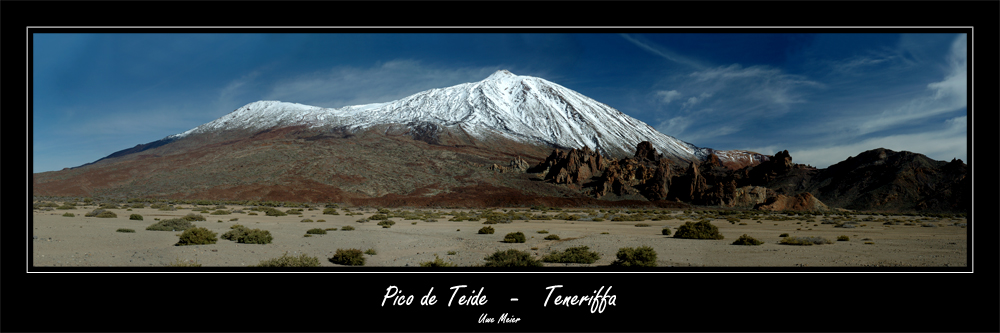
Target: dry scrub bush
point(512, 258)
point(580, 254)
point(197, 236)
point(349, 257)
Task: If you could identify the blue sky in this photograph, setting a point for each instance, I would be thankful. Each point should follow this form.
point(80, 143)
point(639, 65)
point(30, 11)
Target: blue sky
point(823, 97)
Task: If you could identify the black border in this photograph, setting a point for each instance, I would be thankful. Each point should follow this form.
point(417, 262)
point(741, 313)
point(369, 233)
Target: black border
point(698, 300)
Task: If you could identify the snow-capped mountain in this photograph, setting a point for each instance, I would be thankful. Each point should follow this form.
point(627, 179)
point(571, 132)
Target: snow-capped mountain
point(522, 108)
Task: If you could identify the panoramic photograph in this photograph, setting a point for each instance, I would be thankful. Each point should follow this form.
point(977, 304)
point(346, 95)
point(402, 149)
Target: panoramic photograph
point(473, 151)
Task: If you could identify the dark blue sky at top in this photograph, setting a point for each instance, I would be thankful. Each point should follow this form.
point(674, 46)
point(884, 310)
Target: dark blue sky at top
point(823, 97)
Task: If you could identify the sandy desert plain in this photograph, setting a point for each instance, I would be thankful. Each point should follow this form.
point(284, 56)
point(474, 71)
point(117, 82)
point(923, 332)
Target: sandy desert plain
point(913, 241)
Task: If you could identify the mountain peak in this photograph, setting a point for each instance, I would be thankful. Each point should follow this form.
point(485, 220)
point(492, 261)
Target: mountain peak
point(503, 73)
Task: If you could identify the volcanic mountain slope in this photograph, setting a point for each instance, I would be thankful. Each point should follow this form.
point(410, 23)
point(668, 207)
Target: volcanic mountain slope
point(525, 109)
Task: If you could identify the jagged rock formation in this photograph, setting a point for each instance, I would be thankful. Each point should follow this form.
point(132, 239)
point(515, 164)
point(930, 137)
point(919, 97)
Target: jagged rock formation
point(515, 165)
point(874, 180)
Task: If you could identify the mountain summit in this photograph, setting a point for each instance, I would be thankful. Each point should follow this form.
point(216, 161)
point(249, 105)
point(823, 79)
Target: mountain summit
point(522, 108)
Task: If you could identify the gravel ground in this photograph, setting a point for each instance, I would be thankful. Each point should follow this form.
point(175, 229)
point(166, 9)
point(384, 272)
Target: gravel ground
point(91, 241)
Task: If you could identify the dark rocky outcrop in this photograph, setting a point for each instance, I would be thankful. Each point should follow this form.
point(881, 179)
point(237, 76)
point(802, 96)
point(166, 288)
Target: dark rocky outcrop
point(875, 180)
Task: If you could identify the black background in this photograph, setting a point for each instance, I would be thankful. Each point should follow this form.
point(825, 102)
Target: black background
point(692, 300)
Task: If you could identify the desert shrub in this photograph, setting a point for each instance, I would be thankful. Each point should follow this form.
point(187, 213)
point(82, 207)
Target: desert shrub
point(171, 225)
point(512, 258)
point(514, 237)
point(220, 212)
point(273, 212)
point(666, 231)
point(698, 230)
point(69, 215)
point(804, 240)
point(747, 240)
point(486, 230)
point(451, 253)
point(379, 217)
point(94, 213)
point(580, 254)
point(136, 217)
point(387, 223)
point(350, 257)
point(330, 211)
point(234, 219)
point(347, 228)
point(306, 220)
point(179, 263)
point(929, 225)
point(643, 256)
point(316, 231)
point(437, 263)
point(193, 217)
point(843, 238)
point(371, 252)
point(543, 231)
point(783, 235)
point(197, 236)
point(66, 206)
point(642, 225)
point(321, 220)
point(124, 230)
point(287, 261)
point(496, 218)
point(256, 236)
point(293, 211)
point(107, 214)
point(552, 237)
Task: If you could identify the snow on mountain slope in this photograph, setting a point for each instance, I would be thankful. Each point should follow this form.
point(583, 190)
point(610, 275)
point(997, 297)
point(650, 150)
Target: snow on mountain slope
point(522, 108)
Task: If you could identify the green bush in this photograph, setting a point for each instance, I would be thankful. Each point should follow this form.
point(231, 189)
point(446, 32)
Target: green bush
point(193, 217)
point(171, 225)
point(99, 212)
point(698, 230)
point(316, 231)
point(642, 225)
point(643, 256)
point(486, 230)
point(330, 211)
point(350, 257)
point(197, 236)
point(371, 252)
point(552, 237)
point(514, 237)
point(747, 240)
point(257, 236)
point(666, 231)
point(286, 261)
point(543, 231)
point(580, 254)
point(306, 220)
point(387, 223)
point(136, 217)
point(69, 215)
point(107, 214)
point(436, 263)
point(512, 258)
point(843, 238)
point(805, 241)
point(221, 212)
point(124, 230)
point(347, 228)
point(273, 212)
point(379, 217)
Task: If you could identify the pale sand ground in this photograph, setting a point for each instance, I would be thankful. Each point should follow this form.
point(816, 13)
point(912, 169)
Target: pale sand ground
point(91, 241)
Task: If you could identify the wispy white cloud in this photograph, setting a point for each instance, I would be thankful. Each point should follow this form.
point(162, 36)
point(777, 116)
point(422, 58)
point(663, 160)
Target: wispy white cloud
point(662, 51)
point(940, 97)
point(668, 96)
